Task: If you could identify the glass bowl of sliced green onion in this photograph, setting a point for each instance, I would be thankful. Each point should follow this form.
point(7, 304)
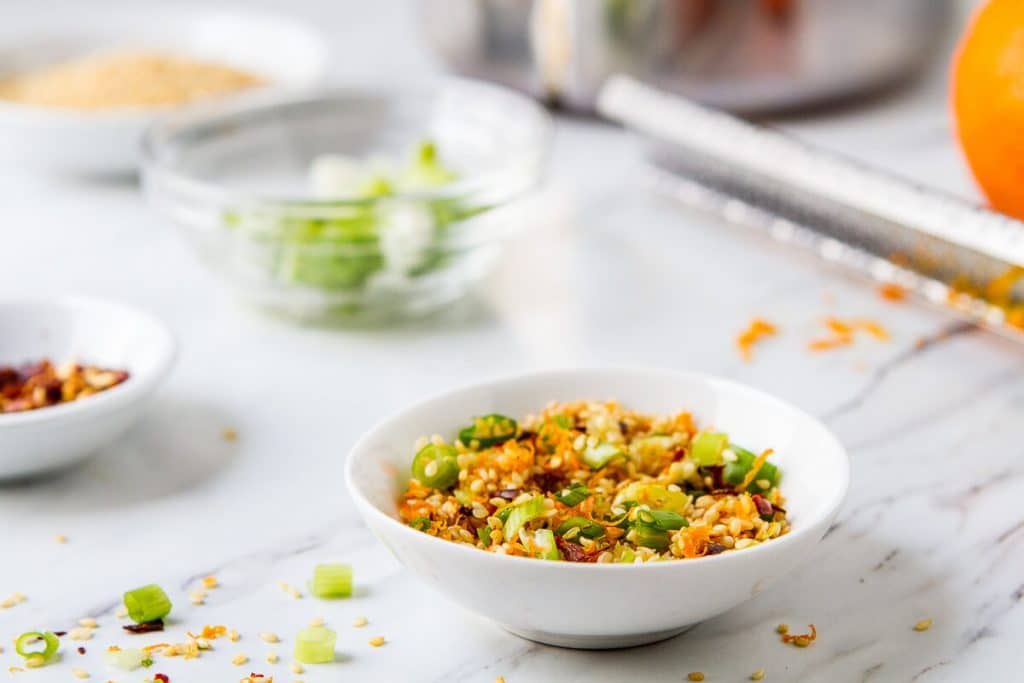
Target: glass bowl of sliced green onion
point(351, 205)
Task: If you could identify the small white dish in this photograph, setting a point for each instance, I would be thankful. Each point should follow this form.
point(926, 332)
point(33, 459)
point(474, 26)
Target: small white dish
point(291, 56)
point(604, 605)
point(91, 332)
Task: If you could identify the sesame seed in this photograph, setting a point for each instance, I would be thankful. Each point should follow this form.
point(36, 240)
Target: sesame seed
point(291, 590)
point(61, 538)
point(499, 679)
point(79, 673)
point(268, 637)
point(377, 641)
point(233, 636)
point(763, 484)
point(229, 434)
point(121, 612)
point(210, 582)
point(35, 661)
point(923, 625)
point(695, 676)
point(782, 628)
point(316, 621)
point(296, 668)
point(197, 596)
point(757, 675)
point(80, 633)
point(239, 659)
point(87, 622)
point(360, 622)
point(272, 658)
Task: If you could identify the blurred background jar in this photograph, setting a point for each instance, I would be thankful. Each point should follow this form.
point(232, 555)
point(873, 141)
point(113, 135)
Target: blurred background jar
point(743, 55)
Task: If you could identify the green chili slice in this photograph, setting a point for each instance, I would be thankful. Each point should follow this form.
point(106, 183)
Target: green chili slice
point(489, 430)
point(436, 466)
point(26, 640)
point(573, 495)
point(587, 527)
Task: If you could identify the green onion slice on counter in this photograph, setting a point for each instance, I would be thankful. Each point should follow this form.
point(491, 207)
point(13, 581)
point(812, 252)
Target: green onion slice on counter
point(148, 603)
point(27, 644)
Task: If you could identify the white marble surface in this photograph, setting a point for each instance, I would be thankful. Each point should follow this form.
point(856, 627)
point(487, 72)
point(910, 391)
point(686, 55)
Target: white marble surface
point(606, 274)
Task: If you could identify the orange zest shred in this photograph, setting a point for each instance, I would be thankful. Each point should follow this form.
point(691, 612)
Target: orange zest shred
point(695, 540)
point(890, 291)
point(801, 639)
point(755, 468)
point(213, 632)
point(755, 332)
point(844, 333)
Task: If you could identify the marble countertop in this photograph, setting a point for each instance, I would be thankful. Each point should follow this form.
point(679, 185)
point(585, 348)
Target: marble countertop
point(606, 273)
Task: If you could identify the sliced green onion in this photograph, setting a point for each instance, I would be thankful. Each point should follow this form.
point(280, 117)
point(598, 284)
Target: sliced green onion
point(332, 580)
point(148, 603)
point(436, 466)
point(489, 430)
point(562, 421)
point(736, 471)
point(651, 537)
point(665, 520)
point(484, 534)
point(504, 512)
point(544, 545)
point(587, 527)
point(420, 524)
point(626, 556)
point(654, 496)
point(573, 495)
point(465, 498)
point(522, 513)
point(127, 659)
point(600, 455)
point(707, 447)
point(25, 640)
point(315, 645)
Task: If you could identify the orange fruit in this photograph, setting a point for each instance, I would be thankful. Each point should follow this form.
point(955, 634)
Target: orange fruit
point(988, 102)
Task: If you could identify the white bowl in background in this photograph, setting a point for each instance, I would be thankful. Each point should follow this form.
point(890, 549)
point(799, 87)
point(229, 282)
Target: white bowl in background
point(604, 605)
point(290, 55)
point(91, 332)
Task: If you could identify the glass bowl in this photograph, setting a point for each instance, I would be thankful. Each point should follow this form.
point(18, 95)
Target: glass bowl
point(236, 181)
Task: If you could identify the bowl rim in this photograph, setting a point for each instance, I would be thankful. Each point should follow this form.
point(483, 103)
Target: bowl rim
point(154, 144)
point(313, 39)
point(828, 510)
point(135, 385)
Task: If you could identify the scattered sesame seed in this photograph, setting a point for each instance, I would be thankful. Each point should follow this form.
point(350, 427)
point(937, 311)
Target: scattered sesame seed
point(297, 668)
point(316, 621)
point(239, 659)
point(377, 641)
point(360, 622)
point(35, 661)
point(61, 538)
point(923, 625)
point(801, 641)
point(757, 675)
point(233, 636)
point(210, 582)
point(80, 633)
point(229, 434)
point(268, 637)
point(197, 596)
point(499, 679)
point(79, 673)
point(695, 676)
point(87, 622)
point(272, 657)
point(782, 628)
point(122, 612)
point(290, 590)
point(15, 669)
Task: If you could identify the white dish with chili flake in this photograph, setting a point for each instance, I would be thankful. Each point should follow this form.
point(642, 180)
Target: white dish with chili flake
point(594, 605)
point(91, 332)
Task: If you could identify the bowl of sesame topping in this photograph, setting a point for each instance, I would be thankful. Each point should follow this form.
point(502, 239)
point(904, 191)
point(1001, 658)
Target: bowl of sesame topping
point(75, 373)
point(600, 508)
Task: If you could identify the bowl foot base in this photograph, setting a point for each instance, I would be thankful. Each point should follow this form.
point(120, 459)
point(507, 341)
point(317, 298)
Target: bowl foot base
point(584, 642)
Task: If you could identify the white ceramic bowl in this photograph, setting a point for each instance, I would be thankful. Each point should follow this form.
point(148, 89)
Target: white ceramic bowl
point(89, 331)
point(604, 605)
point(290, 55)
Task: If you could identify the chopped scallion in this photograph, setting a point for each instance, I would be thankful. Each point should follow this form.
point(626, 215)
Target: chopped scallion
point(148, 603)
point(587, 527)
point(706, 449)
point(651, 536)
point(315, 645)
point(600, 455)
point(736, 471)
point(544, 545)
point(522, 513)
point(665, 520)
point(484, 534)
point(420, 524)
point(332, 580)
point(573, 495)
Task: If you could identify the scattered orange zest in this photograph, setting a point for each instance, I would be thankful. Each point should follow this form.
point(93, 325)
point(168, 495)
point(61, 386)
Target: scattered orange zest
point(213, 632)
point(844, 333)
point(890, 291)
point(801, 639)
point(755, 332)
point(695, 540)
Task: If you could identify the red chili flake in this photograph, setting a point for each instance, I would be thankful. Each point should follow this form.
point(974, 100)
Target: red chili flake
point(573, 552)
point(161, 677)
point(762, 505)
point(145, 627)
point(60, 633)
point(81, 650)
